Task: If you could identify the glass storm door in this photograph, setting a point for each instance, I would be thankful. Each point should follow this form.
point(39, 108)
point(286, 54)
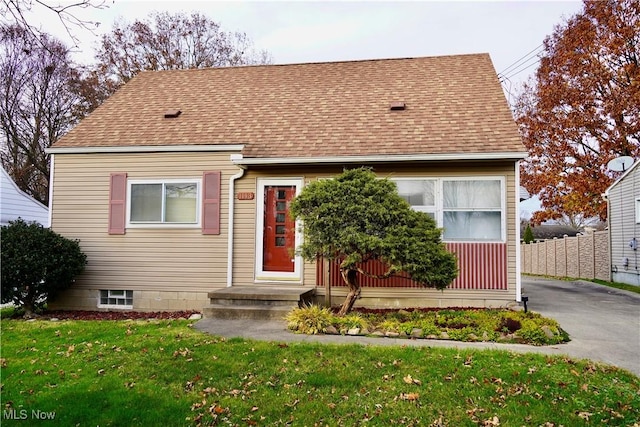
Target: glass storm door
point(279, 229)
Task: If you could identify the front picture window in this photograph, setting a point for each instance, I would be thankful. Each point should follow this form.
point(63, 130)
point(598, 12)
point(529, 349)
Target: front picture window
point(467, 209)
point(419, 193)
point(472, 210)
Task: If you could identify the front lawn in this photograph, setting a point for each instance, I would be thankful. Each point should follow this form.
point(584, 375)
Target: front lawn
point(162, 372)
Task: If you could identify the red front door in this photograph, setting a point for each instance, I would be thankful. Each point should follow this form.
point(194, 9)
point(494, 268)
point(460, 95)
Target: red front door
point(279, 229)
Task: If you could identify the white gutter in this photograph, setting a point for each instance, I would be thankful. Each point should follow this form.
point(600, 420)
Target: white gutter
point(230, 227)
point(145, 149)
point(50, 213)
point(517, 221)
point(516, 155)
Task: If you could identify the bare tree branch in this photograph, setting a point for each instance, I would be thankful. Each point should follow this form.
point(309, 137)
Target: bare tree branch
point(15, 12)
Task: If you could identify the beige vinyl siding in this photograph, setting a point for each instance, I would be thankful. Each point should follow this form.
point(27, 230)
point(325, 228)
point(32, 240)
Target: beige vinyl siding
point(143, 259)
point(246, 211)
point(244, 245)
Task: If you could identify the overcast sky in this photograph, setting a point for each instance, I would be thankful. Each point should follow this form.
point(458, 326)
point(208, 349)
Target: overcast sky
point(304, 31)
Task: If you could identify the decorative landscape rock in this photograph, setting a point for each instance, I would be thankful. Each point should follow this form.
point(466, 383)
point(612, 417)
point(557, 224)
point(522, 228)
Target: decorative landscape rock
point(331, 330)
point(547, 331)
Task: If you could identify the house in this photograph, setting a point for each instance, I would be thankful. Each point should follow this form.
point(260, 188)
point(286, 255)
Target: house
point(623, 205)
point(15, 203)
point(179, 184)
point(550, 231)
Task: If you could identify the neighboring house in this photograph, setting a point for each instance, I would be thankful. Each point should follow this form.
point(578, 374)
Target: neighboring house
point(623, 199)
point(180, 183)
point(550, 231)
point(15, 203)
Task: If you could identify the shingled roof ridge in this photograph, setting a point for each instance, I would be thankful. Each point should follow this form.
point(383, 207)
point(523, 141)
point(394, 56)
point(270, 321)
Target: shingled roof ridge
point(350, 61)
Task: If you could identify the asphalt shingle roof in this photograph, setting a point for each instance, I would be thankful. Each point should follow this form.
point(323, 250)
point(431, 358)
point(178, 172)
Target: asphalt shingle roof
point(454, 104)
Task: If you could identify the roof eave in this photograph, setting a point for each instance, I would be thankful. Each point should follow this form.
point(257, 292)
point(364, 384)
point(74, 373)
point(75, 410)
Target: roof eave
point(146, 149)
point(621, 177)
point(397, 158)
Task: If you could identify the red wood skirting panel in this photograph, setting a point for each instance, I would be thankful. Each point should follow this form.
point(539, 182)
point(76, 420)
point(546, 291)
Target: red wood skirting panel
point(481, 266)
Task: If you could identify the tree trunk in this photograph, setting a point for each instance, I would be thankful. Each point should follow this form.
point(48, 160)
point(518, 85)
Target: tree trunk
point(29, 310)
point(351, 279)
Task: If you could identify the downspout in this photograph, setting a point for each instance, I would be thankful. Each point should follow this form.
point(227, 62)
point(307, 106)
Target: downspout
point(518, 251)
point(50, 213)
point(230, 228)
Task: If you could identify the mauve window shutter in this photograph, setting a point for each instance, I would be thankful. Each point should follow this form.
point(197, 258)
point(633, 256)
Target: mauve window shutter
point(117, 203)
point(211, 203)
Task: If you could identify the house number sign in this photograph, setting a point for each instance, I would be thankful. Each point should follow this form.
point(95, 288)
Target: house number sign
point(245, 196)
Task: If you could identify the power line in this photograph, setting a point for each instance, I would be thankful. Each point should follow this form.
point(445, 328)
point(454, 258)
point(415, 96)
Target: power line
point(523, 67)
point(534, 52)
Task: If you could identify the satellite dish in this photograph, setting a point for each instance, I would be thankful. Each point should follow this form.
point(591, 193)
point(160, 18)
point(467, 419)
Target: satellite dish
point(620, 164)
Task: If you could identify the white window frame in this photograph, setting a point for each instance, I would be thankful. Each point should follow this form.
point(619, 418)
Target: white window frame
point(637, 210)
point(115, 296)
point(502, 209)
point(262, 276)
point(436, 194)
point(164, 182)
point(439, 202)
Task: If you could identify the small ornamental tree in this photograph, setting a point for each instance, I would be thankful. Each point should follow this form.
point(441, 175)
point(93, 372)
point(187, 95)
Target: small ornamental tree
point(356, 218)
point(528, 235)
point(37, 263)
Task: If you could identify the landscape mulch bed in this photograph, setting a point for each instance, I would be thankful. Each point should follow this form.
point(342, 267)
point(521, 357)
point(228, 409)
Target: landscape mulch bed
point(113, 315)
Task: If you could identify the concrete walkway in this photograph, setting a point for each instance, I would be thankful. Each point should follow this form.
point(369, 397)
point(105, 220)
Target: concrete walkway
point(603, 323)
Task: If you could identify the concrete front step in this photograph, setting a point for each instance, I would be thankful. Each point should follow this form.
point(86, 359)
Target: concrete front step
point(218, 311)
point(256, 302)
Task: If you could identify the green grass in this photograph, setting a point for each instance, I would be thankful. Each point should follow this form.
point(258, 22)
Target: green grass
point(152, 373)
point(498, 325)
point(623, 286)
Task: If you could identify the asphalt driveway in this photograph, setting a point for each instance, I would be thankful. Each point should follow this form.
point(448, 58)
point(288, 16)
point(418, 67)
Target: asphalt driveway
point(603, 322)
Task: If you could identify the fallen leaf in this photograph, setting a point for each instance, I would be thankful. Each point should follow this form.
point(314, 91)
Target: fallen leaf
point(585, 415)
point(410, 380)
point(409, 396)
point(491, 421)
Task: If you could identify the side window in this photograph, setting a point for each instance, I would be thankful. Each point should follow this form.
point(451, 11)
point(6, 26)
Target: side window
point(166, 203)
point(163, 203)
